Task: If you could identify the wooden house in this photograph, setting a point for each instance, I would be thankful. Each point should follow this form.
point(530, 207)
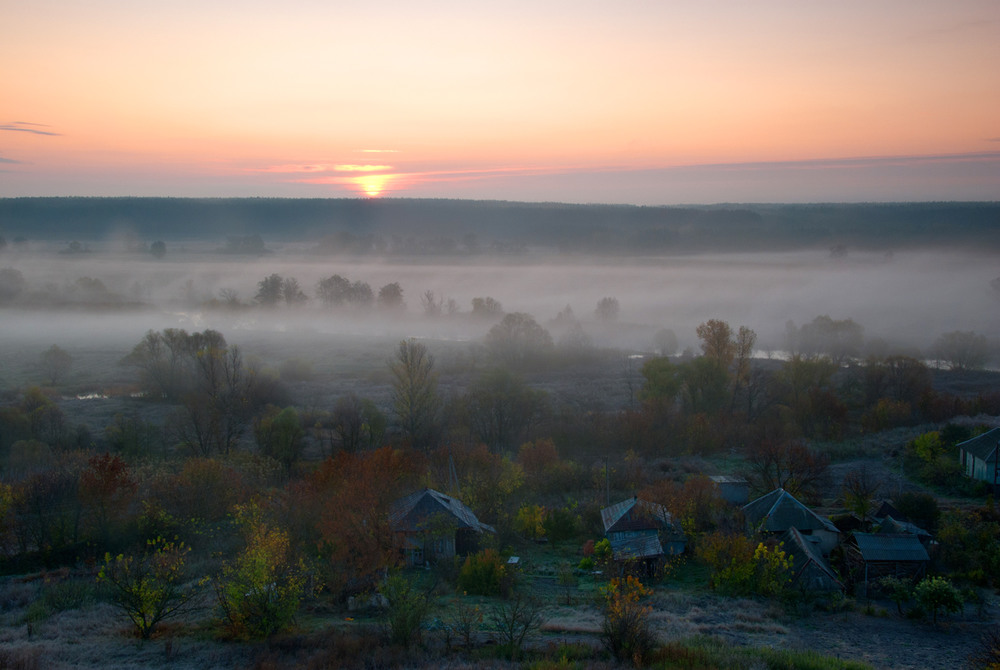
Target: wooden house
point(810, 570)
point(979, 457)
point(777, 511)
point(641, 531)
point(428, 525)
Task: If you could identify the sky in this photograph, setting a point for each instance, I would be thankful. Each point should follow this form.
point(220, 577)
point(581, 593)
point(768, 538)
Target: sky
point(651, 102)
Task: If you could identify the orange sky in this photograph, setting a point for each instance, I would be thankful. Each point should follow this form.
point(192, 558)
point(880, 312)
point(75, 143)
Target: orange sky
point(640, 102)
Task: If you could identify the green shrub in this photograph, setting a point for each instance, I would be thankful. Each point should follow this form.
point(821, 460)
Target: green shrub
point(148, 588)
point(406, 611)
point(560, 525)
point(529, 522)
point(482, 573)
point(938, 594)
point(260, 591)
point(899, 591)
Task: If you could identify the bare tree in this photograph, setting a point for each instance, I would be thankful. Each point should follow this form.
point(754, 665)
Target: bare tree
point(432, 304)
point(861, 488)
point(787, 465)
point(216, 413)
point(514, 619)
point(502, 408)
point(963, 350)
point(357, 423)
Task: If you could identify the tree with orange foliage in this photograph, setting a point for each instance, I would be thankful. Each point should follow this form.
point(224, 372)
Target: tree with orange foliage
point(696, 504)
point(351, 495)
point(626, 632)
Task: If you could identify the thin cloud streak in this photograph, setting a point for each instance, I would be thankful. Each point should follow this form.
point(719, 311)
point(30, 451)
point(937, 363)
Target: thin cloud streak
point(25, 127)
point(321, 167)
point(415, 177)
point(859, 161)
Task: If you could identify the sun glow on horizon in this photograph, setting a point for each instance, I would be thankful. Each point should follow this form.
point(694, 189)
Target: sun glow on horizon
point(373, 185)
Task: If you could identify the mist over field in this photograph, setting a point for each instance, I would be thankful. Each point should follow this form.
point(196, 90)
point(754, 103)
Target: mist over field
point(907, 299)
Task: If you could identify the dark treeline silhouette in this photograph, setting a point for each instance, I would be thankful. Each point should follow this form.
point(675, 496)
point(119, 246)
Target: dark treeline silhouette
point(467, 227)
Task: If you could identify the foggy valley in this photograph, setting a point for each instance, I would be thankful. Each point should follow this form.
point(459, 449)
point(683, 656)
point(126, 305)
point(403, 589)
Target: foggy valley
point(195, 381)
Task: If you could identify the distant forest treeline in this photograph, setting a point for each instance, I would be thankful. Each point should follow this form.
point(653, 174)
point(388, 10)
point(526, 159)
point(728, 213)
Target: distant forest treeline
point(466, 226)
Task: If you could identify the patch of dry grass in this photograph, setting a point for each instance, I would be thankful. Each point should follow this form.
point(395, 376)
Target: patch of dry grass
point(582, 620)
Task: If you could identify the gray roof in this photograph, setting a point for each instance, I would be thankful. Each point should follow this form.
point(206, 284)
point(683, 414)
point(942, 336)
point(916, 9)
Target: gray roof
point(727, 479)
point(893, 526)
point(644, 546)
point(894, 548)
point(635, 514)
point(413, 511)
point(808, 565)
point(778, 511)
point(984, 446)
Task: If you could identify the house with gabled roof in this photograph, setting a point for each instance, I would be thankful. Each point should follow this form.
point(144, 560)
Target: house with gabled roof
point(775, 512)
point(810, 571)
point(979, 457)
point(640, 530)
point(428, 525)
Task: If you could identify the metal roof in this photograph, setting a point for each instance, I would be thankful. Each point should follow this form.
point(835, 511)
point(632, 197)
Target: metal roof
point(805, 557)
point(778, 511)
point(895, 548)
point(893, 526)
point(983, 447)
point(411, 512)
point(635, 514)
point(727, 479)
point(644, 546)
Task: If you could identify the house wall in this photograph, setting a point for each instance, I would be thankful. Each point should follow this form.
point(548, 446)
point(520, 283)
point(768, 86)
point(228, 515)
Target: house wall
point(983, 470)
point(977, 468)
point(423, 548)
point(629, 534)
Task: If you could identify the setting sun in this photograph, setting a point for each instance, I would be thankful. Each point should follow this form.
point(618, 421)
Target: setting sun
point(372, 185)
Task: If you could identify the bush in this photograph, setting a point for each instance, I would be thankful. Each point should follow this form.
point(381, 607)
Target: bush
point(899, 591)
point(406, 611)
point(466, 620)
point(741, 569)
point(514, 619)
point(987, 653)
point(626, 632)
point(560, 525)
point(148, 587)
point(938, 594)
point(482, 573)
point(259, 593)
point(529, 522)
point(920, 508)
